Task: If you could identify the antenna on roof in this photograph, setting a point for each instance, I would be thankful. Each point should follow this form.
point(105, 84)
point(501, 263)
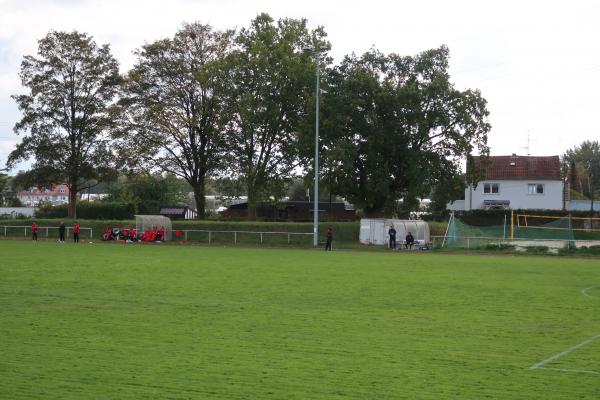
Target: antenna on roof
point(528, 147)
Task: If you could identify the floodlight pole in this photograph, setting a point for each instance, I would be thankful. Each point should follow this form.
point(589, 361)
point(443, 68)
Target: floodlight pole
point(316, 194)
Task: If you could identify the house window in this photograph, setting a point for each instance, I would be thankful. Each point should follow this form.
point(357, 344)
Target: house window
point(535, 188)
point(491, 188)
point(62, 190)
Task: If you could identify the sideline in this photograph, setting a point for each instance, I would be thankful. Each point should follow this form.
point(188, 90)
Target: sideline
point(564, 353)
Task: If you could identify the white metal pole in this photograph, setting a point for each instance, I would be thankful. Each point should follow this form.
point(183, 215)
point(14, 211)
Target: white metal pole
point(316, 194)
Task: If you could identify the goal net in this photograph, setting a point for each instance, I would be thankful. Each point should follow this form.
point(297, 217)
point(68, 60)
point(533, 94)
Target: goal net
point(557, 227)
point(518, 226)
point(146, 222)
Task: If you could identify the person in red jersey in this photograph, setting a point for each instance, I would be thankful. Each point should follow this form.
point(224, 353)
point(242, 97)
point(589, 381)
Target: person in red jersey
point(34, 231)
point(76, 232)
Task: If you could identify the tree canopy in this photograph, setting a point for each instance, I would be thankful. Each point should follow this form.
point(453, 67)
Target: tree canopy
point(70, 83)
point(212, 106)
point(173, 109)
point(584, 168)
point(394, 126)
point(271, 86)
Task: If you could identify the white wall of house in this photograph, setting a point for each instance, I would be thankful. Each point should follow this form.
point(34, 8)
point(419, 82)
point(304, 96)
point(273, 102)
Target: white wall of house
point(518, 192)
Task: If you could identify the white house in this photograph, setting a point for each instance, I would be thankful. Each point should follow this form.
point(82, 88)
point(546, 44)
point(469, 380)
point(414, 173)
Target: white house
point(55, 195)
point(517, 182)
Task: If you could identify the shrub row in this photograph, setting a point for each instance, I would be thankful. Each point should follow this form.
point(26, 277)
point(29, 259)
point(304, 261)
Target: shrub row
point(97, 210)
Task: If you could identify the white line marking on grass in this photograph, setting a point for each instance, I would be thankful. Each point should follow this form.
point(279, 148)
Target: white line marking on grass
point(584, 291)
point(579, 371)
point(564, 353)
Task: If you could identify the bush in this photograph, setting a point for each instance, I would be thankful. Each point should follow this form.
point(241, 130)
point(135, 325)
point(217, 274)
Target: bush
point(86, 210)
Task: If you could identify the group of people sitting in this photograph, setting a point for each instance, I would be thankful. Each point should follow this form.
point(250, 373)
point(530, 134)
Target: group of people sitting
point(154, 234)
point(409, 240)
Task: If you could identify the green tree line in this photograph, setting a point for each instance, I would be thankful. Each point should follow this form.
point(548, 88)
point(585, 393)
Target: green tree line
point(238, 105)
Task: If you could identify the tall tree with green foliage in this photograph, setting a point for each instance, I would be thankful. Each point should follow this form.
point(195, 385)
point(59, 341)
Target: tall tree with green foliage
point(585, 168)
point(71, 84)
point(272, 83)
point(3, 187)
point(173, 111)
point(148, 193)
point(394, 126)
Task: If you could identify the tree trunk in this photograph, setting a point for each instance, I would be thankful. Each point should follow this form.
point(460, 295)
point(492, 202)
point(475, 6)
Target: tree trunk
point(252, 205)
point(72, 208)
point(200, 199)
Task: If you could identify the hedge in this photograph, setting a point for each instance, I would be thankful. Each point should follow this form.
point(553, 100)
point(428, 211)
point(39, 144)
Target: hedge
point(95, 211)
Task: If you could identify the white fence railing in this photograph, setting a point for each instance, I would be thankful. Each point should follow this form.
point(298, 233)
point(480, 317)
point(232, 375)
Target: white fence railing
point(5, 229)
point(237, 236)
point(196, 235)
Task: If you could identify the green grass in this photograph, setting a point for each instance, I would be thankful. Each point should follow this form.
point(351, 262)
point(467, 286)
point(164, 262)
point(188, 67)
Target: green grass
point(99, 321)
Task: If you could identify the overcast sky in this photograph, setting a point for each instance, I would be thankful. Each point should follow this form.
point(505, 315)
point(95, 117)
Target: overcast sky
point(536, 62)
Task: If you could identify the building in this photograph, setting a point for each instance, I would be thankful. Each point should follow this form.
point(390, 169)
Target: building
point(178, 212)
point(517, 182)
point(55, 195)
point(293, 211)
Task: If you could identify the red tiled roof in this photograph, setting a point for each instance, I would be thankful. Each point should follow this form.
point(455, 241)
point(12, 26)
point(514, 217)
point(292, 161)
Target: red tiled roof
point(521, 167)
point(52, 191)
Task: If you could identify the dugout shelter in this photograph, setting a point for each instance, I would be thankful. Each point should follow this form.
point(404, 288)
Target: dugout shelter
point(145, 222)
point(375, 230)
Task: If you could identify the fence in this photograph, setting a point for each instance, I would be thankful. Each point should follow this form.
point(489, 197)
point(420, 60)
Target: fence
point(15, 231)
point(246, 237)
point(474, 242)
point(189, 235)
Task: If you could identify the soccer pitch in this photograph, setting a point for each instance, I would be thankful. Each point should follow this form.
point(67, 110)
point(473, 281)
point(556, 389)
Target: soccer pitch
point(96, 321)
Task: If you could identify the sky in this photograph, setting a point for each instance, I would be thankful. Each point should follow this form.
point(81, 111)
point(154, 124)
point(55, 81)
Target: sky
point(537, 63)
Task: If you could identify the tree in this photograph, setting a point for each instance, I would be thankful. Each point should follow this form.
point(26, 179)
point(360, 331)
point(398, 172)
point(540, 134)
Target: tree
point(173, 110)
point(272, 82)
point(149, 192)
point(585, 168)
point(3, 187)
point(71, 83)
point(448, 188)
point(393, 127)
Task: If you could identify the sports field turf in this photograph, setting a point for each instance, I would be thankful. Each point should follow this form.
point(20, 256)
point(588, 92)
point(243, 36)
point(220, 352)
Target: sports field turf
point(99, 321)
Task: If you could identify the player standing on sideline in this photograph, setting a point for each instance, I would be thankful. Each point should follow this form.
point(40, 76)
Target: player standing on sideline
point(392, 233)
point(61, 232)
point(34, 231)
point(329, 239)
point(75, 232)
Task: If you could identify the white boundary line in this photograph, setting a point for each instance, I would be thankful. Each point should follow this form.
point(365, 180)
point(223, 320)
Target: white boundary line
point(584, 291)
point(579, 371)
point(564, 353)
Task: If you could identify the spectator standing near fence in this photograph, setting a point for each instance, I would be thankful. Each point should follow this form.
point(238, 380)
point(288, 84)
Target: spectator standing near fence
point(61, 232)
point(392, 234)
point(410, 240)
point(34, 231)
point(329, 239)
point(75, 232)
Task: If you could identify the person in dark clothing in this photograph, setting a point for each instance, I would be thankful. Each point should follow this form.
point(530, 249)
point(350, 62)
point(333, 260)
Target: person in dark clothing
point(392, 234)
point(410, 240)
point(329, 239)
point(61, 232)
point(34, 231)
point(76, 232)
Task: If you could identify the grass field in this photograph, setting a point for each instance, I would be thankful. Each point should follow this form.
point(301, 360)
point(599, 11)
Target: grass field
point(99, 321)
